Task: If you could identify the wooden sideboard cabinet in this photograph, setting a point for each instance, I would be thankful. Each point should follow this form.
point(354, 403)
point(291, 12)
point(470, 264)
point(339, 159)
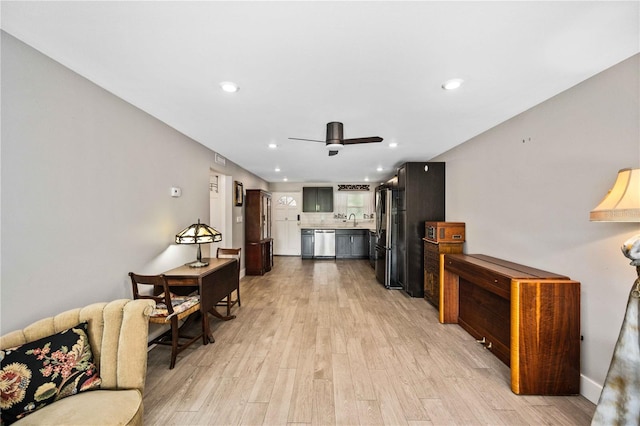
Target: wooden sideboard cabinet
point(528, 318)
point(433, 261)
point(258, 241)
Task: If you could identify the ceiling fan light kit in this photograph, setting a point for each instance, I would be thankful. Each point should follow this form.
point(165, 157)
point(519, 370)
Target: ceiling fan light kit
point(335, 140)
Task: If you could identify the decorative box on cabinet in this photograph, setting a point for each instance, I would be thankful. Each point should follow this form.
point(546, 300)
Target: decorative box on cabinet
point(528, 318)
point(433, 258)
point(258, 241)
point(444, 232)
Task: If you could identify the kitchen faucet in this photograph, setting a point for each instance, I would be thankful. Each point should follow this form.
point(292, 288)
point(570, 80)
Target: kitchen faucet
point(354, 219)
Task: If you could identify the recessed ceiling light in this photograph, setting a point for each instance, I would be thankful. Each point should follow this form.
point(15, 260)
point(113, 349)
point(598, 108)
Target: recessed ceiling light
point(366, 179)
point(277, 169)
point(229, 86)
point(393, 145)
point(285, 179)
point(379, 169)
point(273, 146)
point(452, 84)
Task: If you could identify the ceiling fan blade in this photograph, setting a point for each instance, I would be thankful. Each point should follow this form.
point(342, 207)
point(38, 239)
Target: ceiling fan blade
point(371, 139)
point(333, 153)
point(310, 140)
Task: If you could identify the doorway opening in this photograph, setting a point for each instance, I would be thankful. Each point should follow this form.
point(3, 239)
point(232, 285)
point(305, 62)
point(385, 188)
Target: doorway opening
point(220, 209)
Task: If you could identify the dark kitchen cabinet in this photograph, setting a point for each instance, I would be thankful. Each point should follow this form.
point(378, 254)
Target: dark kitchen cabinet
point(343, 246)
point(352, 244)
point(373, 239)
point(307, 243)
point(317, 199)
point(258, 241)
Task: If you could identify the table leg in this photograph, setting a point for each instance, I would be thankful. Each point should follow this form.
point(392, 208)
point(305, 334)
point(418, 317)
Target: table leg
point(218, 315)
point(207, 337)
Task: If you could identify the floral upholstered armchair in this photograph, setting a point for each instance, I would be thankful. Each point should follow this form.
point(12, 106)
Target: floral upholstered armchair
point(86, 366)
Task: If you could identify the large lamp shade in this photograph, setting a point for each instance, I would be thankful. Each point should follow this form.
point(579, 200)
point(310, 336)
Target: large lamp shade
point(198, 233)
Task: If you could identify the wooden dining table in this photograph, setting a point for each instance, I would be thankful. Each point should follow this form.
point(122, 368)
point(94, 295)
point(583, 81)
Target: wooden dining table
point(213, 282)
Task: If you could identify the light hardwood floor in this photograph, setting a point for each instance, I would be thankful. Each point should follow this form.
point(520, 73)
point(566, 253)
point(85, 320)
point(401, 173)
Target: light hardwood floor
point(321, 342)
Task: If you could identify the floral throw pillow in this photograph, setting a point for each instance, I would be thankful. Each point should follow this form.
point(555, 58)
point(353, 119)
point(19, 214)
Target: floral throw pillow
point(41, 372)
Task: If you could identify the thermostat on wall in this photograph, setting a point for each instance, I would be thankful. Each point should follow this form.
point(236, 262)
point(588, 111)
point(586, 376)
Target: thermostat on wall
point(176, 192)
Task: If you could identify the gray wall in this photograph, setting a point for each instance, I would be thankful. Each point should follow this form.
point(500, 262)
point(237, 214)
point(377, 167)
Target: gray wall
point(525, 189)
point(85, 190)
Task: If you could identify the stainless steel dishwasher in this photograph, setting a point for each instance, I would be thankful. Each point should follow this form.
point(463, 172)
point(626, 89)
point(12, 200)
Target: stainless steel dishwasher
point(324, 244)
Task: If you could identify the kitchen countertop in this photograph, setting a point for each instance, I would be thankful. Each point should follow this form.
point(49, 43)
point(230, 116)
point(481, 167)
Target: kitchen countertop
point(334, 226)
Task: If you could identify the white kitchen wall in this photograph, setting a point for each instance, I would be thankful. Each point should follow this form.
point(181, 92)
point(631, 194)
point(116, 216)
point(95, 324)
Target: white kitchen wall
point(325, 219)
point(86, 181)
point(525, 189)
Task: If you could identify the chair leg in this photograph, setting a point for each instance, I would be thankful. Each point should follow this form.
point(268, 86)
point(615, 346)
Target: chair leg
point(228, 304)
point(238, 294)
point(175, 335)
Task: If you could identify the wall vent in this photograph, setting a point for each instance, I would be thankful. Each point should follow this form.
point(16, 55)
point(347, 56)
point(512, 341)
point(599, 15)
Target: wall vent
point(219, 159)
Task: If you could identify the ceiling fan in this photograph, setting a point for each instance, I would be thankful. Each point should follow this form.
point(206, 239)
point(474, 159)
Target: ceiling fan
point(335, 141)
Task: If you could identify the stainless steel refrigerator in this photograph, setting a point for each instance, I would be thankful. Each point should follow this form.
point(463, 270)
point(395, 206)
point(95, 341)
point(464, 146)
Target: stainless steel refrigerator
point(386, 263)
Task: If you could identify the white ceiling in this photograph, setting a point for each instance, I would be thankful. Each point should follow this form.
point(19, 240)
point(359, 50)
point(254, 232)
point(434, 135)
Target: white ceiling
point(376, 66)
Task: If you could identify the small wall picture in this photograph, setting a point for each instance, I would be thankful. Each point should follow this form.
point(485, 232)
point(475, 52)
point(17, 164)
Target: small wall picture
point(239, 193)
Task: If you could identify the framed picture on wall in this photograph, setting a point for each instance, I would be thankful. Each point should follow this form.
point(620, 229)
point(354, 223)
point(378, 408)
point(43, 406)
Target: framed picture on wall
point(239, 193)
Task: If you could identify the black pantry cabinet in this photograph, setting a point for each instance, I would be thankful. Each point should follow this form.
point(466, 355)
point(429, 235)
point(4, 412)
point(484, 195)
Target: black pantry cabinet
point(421, 199)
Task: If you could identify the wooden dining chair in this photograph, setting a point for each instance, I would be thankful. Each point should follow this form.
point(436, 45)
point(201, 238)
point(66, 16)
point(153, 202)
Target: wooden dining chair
point(231, 253)
point(170, 309)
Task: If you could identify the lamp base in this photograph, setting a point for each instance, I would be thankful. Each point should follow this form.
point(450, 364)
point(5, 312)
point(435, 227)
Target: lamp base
point(620, 398)
point(197, 264)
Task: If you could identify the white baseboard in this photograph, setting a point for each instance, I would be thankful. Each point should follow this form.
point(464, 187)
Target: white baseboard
point(590, 389)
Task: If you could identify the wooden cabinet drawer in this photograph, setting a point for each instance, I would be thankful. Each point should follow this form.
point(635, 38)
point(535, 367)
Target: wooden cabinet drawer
point(481, 276)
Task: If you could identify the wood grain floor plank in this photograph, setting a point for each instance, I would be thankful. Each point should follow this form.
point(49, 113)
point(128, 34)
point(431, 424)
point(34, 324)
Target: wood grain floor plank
point(324, 410)
point(369, 412)
point(343, 395)
point(362, 385)
point(390, 407)
point(278, 408)
point(254, 413)
point(438, 413)
point(301, 409)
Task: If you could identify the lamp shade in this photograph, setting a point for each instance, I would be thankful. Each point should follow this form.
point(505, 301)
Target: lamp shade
point(198, 233)
point(622, 202)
